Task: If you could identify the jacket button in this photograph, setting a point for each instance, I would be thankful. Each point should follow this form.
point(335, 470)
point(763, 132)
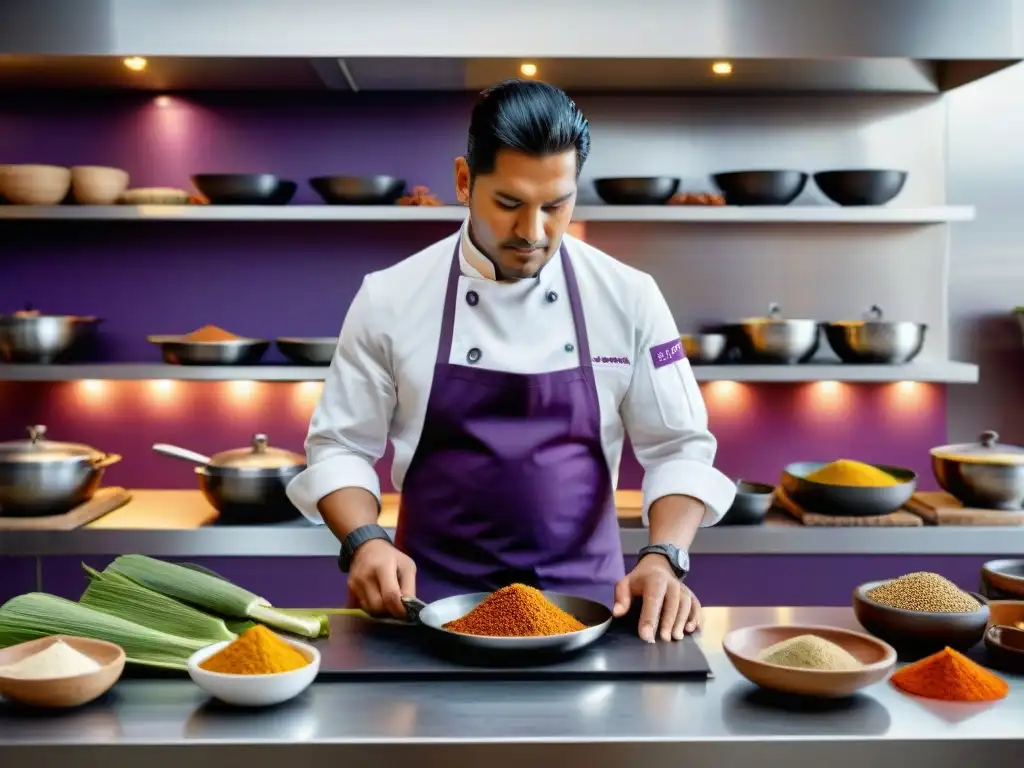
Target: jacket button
point(472, 298)
point(570, 347)
point(551, 297)
point(473, 355)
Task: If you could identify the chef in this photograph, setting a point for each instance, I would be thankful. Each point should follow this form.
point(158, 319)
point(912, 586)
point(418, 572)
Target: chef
point(505, 364)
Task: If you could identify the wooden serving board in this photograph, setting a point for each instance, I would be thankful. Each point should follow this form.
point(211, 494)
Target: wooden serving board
point(941, 508)
point(899, 519)
point(152, 509)
point(103, 503)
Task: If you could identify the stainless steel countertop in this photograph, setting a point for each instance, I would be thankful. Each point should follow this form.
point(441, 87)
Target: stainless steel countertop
point(777, 537)
point(724, 720)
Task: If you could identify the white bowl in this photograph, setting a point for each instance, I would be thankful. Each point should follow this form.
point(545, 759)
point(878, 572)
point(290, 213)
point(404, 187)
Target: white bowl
point(254, 690)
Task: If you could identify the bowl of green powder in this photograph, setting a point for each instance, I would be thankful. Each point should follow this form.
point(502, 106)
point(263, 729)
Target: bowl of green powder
point(824, 662)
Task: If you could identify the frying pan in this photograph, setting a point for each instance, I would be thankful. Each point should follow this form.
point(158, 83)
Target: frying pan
point(596, 616)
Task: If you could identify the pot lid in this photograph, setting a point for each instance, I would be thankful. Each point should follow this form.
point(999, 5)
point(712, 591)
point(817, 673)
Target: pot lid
point(259, 455)
point(774, 316)
point(988, 448)
point(37, 449)
point(874, 316)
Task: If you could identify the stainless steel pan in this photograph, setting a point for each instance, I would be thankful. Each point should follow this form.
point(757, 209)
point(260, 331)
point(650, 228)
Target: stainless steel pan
point(434, 616)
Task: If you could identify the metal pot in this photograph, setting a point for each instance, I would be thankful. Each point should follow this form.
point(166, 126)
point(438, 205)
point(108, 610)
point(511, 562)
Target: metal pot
point(704, 348)
point(41, 477)
point(875, 341)
point(773, 339)
point(245, 485)
point(30, 337)
point(983, 475)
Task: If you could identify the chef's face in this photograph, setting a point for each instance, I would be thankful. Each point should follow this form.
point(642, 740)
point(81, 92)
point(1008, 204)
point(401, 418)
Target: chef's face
point(519, 212)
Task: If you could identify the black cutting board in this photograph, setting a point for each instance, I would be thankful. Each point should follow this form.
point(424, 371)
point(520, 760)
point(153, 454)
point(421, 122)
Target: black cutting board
point(361, 649)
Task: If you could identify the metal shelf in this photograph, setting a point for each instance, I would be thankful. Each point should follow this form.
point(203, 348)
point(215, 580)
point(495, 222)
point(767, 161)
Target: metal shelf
point(824, 214)
point(938, 372)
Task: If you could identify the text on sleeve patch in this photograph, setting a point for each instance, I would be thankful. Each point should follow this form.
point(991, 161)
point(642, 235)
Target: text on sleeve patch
point(667, 353)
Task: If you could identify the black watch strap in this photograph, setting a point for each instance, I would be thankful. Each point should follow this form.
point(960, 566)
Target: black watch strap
point(356, 539)
point(678, 558)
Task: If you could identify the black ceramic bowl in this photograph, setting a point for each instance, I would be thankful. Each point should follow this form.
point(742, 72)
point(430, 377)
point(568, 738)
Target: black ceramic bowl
point(753, 500)
point(760, 187)
point(309, 351)
point(244, 188)
point(845, 500)
point(653, 190)
point(918, 632)
point(358, 190)
point(867, 187)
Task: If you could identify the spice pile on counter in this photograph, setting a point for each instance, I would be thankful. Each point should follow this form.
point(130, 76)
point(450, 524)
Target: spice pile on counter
point(854, 474)
point(56, 660)
point(257, 651)
point(924, 592)
point(516, 611)
point(950, 676)
point(810, 652)
point(210, 333)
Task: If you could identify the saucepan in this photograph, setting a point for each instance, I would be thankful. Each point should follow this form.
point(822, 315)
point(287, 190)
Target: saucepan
point(433, 616)
point(245, 485)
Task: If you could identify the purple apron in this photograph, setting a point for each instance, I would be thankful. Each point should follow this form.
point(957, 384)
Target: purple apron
point(509, 482)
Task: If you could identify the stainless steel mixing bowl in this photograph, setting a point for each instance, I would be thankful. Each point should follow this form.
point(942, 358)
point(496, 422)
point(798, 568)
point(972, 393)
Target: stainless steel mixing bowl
point(704, 348)
point(177, 351)
point(983, 475)
point(875, 340)
point(774, 339)
point(36, 338)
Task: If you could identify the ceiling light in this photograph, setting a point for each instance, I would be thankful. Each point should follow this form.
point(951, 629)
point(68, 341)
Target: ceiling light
point(722, 68)
point(135, 63)
point(529, 70)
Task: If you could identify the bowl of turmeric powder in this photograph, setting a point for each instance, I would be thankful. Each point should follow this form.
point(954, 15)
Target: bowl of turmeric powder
point(210, 345)
point(847, 488)
point(257, 669)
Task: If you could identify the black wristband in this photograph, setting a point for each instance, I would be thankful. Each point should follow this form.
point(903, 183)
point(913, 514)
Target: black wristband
point(356, 539)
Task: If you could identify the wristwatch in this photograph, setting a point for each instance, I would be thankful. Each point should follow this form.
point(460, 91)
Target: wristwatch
point(678, 558)
point(356, 539)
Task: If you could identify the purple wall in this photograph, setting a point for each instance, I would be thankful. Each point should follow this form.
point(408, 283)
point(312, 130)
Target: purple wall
point(274, 279)
point(718, 580)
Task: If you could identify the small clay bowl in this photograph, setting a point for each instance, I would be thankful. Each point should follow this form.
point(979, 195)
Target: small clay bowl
point(920, 632)
point(752, 502)
point(63, 691)
point(1003, 579)
point(1005, 647)
point(743, 646)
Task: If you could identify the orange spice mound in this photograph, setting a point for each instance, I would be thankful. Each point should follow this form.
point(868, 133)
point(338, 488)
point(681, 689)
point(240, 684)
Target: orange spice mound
point(210, 333)
point(516, 611)
point(950, 676)
point(257, 651)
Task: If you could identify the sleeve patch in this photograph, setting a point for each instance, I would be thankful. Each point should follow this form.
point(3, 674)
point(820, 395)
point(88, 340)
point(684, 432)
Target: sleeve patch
point(667, 353)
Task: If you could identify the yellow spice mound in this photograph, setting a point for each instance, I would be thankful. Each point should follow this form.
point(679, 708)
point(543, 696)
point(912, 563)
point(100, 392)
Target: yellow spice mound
point(257, 651)
point(853, 473)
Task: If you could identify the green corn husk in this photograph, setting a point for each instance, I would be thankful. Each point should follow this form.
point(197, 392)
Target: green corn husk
point(210, 593)
point(37, 614)
point(116, 595)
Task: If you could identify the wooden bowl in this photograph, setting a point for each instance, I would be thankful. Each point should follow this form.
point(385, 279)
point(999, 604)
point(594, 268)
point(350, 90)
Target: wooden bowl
point(63, 691)
point(96, 185)
point(34, 184)
point(742, 646)
point(920, 632)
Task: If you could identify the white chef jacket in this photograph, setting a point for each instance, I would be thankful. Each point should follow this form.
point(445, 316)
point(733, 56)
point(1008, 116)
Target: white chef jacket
point(380, 378)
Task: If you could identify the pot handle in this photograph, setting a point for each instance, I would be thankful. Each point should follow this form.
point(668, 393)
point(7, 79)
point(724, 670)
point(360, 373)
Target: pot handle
point(109, 460)
point(181, 453)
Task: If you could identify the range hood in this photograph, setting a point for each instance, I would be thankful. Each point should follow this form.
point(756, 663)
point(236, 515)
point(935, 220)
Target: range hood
point(908, 46)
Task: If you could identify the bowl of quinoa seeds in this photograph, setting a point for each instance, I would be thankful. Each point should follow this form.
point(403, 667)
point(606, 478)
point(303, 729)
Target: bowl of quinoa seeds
point(923, 592)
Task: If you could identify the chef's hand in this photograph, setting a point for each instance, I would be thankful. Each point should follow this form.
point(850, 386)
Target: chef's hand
point(668, 604)
point(380, 576)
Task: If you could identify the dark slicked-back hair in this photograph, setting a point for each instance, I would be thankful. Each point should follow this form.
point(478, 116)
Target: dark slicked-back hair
point(528, 116)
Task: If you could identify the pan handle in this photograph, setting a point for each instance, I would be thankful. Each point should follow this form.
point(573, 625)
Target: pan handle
point(181, 453)
point(413, 606)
